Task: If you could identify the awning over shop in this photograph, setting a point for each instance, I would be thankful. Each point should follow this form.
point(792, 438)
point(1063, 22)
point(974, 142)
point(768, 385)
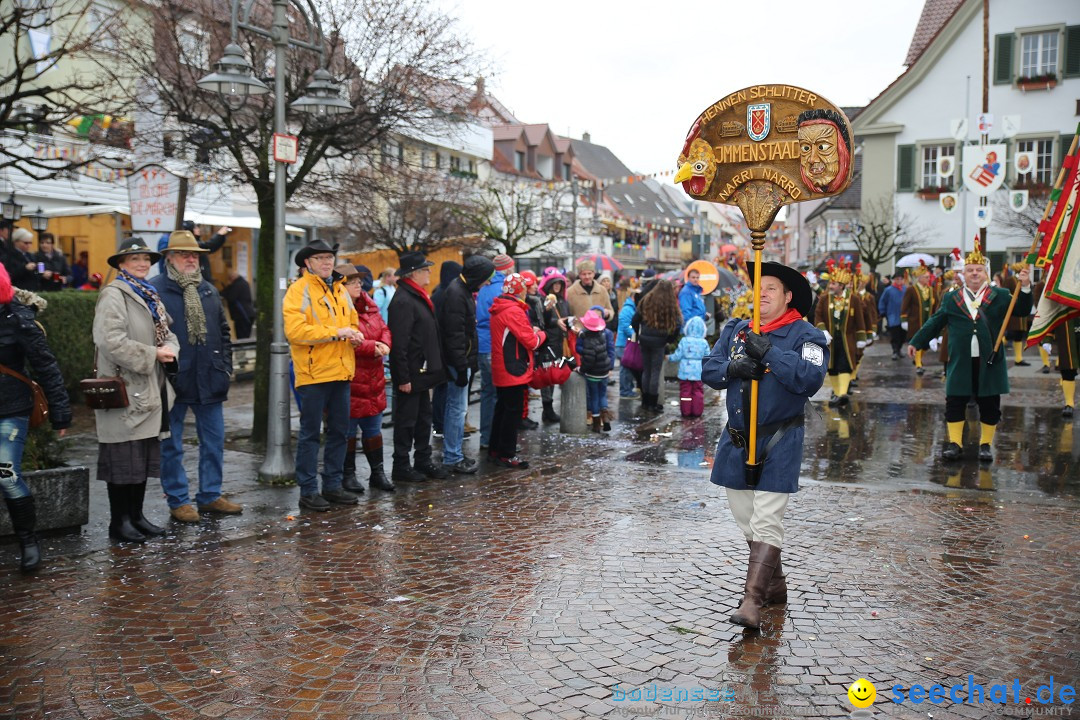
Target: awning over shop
point(239, 221)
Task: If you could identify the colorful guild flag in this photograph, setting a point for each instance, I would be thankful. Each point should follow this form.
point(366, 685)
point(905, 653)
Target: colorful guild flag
point(1059, 253)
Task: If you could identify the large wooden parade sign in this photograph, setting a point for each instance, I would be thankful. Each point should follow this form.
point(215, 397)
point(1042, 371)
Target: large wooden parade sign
point(761, 148)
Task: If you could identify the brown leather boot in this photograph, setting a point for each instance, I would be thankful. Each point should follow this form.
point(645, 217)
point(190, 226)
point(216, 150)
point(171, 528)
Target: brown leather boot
point(763, 561)
point(597, 422)
point(776, 593)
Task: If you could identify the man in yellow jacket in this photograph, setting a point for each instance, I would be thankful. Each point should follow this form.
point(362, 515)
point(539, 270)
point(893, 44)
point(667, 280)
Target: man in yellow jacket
point(321, 327)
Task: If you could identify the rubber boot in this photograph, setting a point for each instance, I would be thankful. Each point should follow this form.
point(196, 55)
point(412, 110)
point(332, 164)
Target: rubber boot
point(348, 476)
point(549, 415)
point(136, 496)
point(776, 593)
point(762, 564)
point(120, 527)
point(23, 513)
point(373, 451)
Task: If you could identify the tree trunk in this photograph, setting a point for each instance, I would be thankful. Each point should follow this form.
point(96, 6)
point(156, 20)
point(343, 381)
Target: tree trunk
point(264, 312)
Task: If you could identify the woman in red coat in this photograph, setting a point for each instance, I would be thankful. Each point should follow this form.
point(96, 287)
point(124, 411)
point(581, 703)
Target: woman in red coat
point(368, 387)
point(513, 341)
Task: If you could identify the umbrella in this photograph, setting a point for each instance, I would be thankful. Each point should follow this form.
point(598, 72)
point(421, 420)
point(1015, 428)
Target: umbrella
point(601, 262)
point(913, 259)
point(728, 279)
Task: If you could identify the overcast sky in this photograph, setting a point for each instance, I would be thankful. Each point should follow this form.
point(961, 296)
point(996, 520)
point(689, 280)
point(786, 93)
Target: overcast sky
point(635, 75)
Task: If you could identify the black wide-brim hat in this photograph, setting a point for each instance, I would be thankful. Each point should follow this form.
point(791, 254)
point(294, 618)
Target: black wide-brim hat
point(132, 246)
point(315, 247)
point(411, 262)
point(802, 297)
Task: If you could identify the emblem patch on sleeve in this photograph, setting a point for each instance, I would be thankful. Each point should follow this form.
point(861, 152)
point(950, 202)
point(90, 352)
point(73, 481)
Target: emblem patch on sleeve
point(813, 354)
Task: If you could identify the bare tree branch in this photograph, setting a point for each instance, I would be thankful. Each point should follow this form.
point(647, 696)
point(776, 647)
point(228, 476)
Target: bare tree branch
point(882, 233)
point(519, 217)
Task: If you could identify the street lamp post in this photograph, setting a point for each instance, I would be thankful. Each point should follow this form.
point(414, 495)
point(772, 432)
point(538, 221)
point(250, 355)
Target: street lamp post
point(234, 81)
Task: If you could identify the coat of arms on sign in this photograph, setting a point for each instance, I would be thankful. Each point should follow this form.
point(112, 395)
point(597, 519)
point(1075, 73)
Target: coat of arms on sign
point(758, 121)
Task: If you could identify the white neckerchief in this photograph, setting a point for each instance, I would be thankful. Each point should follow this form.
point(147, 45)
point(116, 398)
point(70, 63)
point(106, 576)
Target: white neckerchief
point(973, 301)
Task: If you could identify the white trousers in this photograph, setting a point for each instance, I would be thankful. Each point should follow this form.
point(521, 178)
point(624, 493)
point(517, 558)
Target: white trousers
point(759, 514)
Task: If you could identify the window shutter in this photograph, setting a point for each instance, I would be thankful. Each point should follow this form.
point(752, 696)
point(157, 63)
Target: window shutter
point(1072, 51)
point(905, 168)
point(1003, 58)
point(1063, 147)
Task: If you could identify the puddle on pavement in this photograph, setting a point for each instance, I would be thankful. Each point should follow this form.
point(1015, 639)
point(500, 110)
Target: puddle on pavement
point(1035, 448)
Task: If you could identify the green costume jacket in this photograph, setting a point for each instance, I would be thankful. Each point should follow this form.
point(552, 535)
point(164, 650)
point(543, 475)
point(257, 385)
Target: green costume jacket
point(953, 314)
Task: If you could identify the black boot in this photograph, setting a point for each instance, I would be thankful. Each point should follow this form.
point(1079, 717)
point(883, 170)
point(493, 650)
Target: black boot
point(348, 477)
point(23, 513)
point(549, 415)
point(120, 527)
point(136, 496)
point(373, 451)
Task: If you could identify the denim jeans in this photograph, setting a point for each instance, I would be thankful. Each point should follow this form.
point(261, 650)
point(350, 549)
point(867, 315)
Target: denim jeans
point(317, 398)
point(626, 378)
point(438, 407)
point(457, 404)
point(210, 429)
point(366, 427)
point(13, 432)
point(487, 399)
point(595, 395)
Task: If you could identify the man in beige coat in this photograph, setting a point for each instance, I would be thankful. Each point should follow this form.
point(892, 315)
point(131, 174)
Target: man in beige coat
point(585, 293)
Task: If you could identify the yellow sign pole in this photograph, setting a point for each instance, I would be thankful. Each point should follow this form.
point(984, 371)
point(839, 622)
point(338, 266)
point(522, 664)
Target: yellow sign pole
point(755, 325)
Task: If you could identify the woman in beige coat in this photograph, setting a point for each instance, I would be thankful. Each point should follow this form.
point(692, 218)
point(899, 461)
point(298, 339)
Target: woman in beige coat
point(133, 340)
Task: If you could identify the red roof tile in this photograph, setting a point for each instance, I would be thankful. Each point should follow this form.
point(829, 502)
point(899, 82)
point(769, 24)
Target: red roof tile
point(935, 14)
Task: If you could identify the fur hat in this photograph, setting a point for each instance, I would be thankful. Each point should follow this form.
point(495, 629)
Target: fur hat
point(21, 234)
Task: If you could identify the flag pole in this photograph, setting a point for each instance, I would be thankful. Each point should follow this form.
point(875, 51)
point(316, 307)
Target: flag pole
point(1034, 246)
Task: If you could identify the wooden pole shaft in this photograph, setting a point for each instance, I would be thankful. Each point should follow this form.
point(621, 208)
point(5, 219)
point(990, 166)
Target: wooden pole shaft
point(758, 242)
point(1034, 246)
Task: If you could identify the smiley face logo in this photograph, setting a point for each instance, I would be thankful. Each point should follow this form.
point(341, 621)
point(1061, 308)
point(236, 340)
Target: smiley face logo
point(862, 693)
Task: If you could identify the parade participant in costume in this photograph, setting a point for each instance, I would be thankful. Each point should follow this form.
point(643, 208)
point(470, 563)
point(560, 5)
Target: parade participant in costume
point(868, 300)
point(917, 306)
point(1068, 342)
point(789, 358)
point(973, 317)
point(842, 317)
point(1017, 330)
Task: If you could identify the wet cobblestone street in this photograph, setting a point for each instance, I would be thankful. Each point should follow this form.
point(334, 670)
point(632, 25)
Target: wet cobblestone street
point(608, 567)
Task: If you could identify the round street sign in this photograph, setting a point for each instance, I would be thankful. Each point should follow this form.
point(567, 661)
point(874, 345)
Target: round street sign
point(709, 275)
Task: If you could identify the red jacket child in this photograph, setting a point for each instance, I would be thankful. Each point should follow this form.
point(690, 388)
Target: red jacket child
point(513, 341)
point(368, 387)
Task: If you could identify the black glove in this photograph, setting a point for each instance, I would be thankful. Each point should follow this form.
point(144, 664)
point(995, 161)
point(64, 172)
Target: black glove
point(756, 345)
point(462, 377)
point(746, 367)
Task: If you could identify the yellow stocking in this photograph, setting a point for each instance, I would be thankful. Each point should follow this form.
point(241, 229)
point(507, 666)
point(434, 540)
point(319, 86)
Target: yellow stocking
point(986, 480)
point(832, 383)
point(987, 435)
point(843, 430)
point(918, 358)
point(1045, 356)
point(1068, 389)
point(842, 382)
point(1066, 442)
point(956, 432)
point(1018, 351)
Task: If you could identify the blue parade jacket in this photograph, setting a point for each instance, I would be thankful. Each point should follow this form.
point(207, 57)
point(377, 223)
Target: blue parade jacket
point(796, 365)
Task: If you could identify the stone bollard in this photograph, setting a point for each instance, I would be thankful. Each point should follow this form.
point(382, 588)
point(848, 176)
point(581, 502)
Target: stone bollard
point(572, 406)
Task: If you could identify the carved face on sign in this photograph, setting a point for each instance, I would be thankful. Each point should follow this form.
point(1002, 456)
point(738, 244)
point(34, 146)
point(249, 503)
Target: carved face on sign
point(698, 167)
point(818, 155)
point(824, 150)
